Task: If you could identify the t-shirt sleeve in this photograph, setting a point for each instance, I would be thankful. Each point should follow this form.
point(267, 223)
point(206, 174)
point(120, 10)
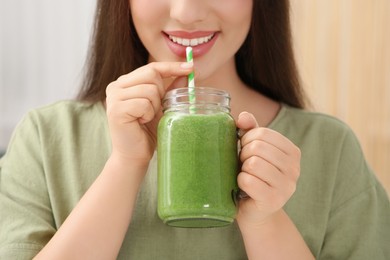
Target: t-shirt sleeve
point(26, 219)
point(359, 221)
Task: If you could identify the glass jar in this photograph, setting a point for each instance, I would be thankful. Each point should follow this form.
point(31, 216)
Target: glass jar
point(197, 159)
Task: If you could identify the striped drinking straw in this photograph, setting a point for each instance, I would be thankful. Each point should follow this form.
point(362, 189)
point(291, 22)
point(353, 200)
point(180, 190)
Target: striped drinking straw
point(191, 81)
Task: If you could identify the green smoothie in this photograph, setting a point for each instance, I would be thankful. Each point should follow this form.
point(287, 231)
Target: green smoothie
point(197, 169)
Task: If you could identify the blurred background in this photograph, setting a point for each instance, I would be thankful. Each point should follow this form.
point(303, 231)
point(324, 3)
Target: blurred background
point(43, 46)
point(343, 52)
point(342, 48)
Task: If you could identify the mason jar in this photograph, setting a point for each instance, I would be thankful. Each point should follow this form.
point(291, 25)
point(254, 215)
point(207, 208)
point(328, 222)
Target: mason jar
point(197, 159)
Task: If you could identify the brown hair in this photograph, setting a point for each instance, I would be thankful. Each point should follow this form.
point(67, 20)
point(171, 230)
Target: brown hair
point(265, 61)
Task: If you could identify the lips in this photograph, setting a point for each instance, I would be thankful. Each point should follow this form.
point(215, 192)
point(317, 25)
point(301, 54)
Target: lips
point(200, 41)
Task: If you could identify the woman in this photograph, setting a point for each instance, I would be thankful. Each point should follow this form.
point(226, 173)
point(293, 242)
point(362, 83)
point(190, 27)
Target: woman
point(85, 186)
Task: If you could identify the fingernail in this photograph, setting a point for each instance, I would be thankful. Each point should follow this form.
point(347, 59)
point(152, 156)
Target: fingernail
point(187, 65)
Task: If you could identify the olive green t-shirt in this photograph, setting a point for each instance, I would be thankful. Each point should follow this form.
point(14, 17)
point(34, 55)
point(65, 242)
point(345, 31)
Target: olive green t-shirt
point(57, 151)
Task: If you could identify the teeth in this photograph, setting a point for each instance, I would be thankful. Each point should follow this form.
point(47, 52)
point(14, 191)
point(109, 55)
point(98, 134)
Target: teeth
point(190, 42)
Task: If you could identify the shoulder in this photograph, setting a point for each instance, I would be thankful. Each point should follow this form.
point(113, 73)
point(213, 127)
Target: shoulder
point(66, 108)
point(56, 139)
point(307, 118)
point(331, 152)
point(321, 135)
point(62, 115)
point(63, 121)
point(303, 125)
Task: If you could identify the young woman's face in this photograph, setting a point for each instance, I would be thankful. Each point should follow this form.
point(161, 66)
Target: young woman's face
point(214, 28)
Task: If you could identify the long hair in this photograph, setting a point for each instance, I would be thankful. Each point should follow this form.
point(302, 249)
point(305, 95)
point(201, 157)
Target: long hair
point(265, 61)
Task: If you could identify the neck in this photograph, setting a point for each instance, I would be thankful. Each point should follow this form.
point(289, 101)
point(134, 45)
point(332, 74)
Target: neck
point(243, 98)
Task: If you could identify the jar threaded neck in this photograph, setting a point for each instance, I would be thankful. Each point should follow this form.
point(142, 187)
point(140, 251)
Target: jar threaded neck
point(205, 99)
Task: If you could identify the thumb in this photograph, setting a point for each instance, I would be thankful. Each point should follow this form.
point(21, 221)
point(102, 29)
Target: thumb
point(245, 122)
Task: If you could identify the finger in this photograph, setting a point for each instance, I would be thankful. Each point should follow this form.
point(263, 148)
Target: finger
point(263, 170)
point(269, 174)
point(263, 193)
point(172, 69)
point(147, 91)
point(245, 122)
point(252, 186)
point(154, 73)
point(267, 152)
point(131, 110)
point(148, 114)
point(286, 164)
point(272, 137)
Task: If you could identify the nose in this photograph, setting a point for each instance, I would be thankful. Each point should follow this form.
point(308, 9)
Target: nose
point(189, 11)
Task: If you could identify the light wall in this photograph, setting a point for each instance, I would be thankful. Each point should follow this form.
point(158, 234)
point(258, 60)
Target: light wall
point(43, 46)
point(343, 51)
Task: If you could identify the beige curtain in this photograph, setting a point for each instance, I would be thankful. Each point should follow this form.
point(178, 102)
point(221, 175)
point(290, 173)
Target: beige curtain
point(343, 52)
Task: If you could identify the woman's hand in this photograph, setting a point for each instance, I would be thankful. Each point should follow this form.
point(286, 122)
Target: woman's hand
point(133, 106)
point(269, 173)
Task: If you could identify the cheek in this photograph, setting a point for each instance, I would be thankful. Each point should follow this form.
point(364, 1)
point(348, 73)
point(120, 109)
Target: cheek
point(147, 16)
point(236, 26)
point(242, 10)
point(242, 20)
point(146, 13)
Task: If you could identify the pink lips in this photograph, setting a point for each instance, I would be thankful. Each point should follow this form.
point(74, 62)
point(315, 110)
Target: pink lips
point(198, 50)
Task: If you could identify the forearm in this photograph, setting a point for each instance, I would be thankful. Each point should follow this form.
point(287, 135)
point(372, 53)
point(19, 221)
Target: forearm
point(278, 238)
point(96, 227)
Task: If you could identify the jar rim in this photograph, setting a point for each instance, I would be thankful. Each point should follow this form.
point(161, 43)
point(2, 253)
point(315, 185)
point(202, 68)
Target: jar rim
point(205, 97)
point(197, 91)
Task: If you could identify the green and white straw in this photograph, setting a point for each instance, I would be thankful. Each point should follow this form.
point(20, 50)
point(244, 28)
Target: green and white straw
point(191, 81)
